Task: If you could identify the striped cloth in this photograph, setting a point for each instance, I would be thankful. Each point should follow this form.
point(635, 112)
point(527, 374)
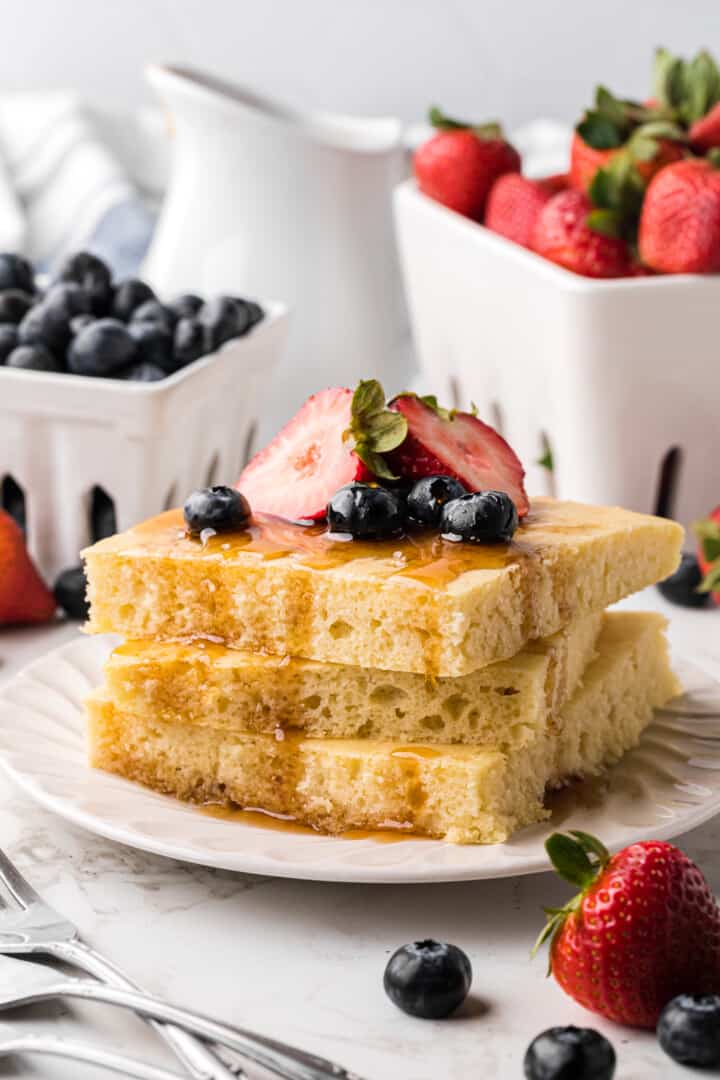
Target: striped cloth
point(62, 187)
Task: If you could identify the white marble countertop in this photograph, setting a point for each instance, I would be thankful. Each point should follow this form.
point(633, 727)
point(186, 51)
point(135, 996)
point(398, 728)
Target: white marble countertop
point(304, 961)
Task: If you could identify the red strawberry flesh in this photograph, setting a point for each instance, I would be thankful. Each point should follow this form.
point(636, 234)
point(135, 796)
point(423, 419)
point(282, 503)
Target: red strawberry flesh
point(295, 475)
point(463, 447)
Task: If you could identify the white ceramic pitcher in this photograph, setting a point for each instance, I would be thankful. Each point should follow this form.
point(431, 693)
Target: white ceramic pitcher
point(266, 201)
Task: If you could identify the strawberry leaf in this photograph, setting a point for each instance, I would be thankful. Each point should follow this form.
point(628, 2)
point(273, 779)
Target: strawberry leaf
point(592, 846)
point(570, 859)
point(546, 461)
point(374, 429)
point(439, 120)
point(605, 222)
point(600, 132)
point(711, 581)
point(708, 533)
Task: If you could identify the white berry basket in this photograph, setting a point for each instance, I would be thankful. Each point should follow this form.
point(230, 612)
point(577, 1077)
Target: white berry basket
point(620, 379)
point(144, 446)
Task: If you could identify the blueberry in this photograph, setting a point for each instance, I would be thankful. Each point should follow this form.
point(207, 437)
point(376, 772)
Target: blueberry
point(154, 345)
point(255, 313)
point(14, 304)
point(16, 273)
point(189, 341)
point(220, 508)
point(143, 371)
point(79, 322)
point(33, 358)
point(689, 1030)
point(485, 516)
point(70, 589)
point(129, 295)
point(48, 322)
point(102, 348)
point(186, 305)
point(427, 497)
point(153, 311)
point(223, 318)
point(366, 510)
point(93, 275)
point(8, 340)
point(428, 979)
point(681, 587)
point(569, 1053)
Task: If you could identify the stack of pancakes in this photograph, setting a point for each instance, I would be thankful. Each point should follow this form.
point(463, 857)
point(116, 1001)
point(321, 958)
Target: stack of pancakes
point(411, 684)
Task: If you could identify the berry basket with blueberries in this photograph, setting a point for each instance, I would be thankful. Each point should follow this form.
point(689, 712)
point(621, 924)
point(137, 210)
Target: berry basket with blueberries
point(111, 393)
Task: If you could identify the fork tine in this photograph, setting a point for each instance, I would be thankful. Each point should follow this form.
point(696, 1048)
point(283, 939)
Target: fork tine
point(19, 888)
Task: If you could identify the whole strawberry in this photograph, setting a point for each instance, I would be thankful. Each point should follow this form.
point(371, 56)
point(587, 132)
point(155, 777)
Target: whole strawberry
point(458, 166)
point(564, 233)
point(24, 597)
point(644, 928)
point(708, 534)
point(680, 220)
point(514, 204)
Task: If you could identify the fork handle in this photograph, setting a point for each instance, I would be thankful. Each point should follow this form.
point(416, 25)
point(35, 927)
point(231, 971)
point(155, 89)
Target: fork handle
point(77, 1051)
point(193, 1053)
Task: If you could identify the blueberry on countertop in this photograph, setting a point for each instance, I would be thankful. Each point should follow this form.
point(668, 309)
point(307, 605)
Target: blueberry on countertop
point(70, 593)
point(427, 497)
point(186, 305)
point(16, 273)
point(682, 586)
point(144, 371)
point(8, 340)
point(154, 345)
point(223, 318)
point(33, 358)
point(153, 311)
point(570, 1053)
point(255, 313)
point(14, 305)
point(189, 341)
point(428, 979)
point(366, 511)
point(93, 275)
point(689, 1030)
point(103, 348)
point(219, 508)
point(485, 517)
point(129, 295)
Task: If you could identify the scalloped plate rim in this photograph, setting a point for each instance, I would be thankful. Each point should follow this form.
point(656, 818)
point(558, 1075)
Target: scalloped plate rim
point(321, 868)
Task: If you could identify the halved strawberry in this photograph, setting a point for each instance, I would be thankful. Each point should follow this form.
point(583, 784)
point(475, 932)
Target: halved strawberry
point(336, 437)
point(456, 444)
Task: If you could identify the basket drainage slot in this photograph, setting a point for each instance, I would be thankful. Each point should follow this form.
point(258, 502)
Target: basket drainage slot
point(103, 521)
point(12, 500)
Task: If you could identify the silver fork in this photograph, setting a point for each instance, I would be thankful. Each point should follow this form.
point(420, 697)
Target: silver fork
point(21, 1042)
point(38, 929)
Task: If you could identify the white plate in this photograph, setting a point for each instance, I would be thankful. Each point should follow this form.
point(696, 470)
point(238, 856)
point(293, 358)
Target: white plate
point(667, 785)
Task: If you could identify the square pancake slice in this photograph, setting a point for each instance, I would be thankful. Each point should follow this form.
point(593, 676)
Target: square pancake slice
point(205, 684)
point(420, 603)
point(463, 794)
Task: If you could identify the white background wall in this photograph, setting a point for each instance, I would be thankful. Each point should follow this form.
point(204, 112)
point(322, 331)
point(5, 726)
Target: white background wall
point(513, 59)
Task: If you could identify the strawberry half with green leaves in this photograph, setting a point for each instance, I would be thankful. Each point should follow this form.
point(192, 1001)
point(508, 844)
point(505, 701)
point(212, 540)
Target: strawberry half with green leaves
point(644, 927)
point(458, 166)
point(708, 534)
point(573, 233)
point(337, 436)
point(454, 443)
point(680, 220)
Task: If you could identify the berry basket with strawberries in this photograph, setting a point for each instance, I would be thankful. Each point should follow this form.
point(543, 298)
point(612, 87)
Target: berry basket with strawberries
point(578, 310)
point(112, 402)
